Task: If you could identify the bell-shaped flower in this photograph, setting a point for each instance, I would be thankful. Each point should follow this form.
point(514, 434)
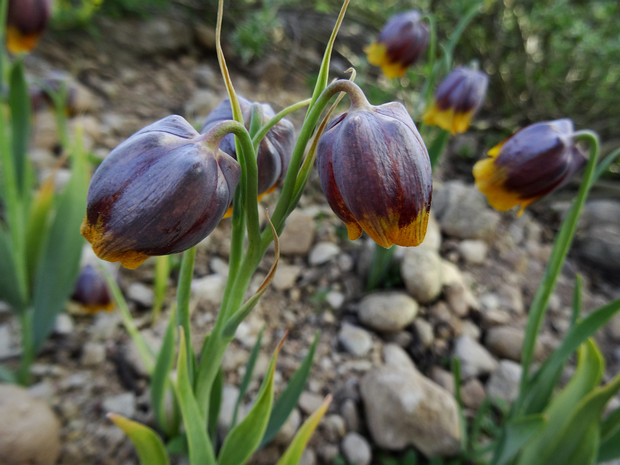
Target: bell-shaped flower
point(160, 192)
point(92, 292)
point(26, 20)
point(457, 99)
point(532, 163)
point(402, 41)
point(376, 174)
point(274, 151)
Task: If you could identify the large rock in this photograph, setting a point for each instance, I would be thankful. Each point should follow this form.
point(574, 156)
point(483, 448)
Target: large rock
point(403, 408)
point(387, 311)
point(462, 211)
point(421, 273)
point(29, 430)
point(599, 235)
point(474, 358)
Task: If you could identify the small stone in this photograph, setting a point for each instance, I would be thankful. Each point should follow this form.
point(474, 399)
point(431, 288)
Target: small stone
point(308, 457)
point(227, 408)
point(421, 273)
point(124, 404)
point(285, 276)
point(93, 354)
point(473, 251)
point(334, 427)
point(475, 359)
point(286, 433)
point(504, 381)
point(335, 299)
point(356, 449)
point(5, 342)
point(424, 331)
point(298, 234)
point(322, 253)
point(209, 288)
point(395, 355)
point(432, 240)
point(355, 340)
point(507, 342)
point(141, 294)
point(309, 402)
point(472, 394)
point(29, 430)
point(351, 415)
point(387, 311)
point(456, 299)
point(64, 325)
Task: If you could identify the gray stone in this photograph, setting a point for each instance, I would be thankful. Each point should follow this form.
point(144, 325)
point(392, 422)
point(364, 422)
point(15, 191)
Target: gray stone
point(285, 276)
point(309, 402)
point(355, 340)
point(504, 381)
point(308, 457)
point(599, 238)
point(322, 253)
point(424, 330)
point(334, 427)
point(93, 354)
point(335, 299)
point(387, 311)
point(462, 211)
point(227, 408)
point(351, 415)
point(159, 35)
point(209, 288)
point(396, 356)
point(421, 273)
point(475, 359)
point(124, 404)
point(356, 449)
point(403, 408)
point(141, 294)
point(29, 430)
point(6, 344)
point(298, 234)
point(472, 393)
point(64, 325)
point(432, 240)
point(285, 435)
point(473, 251)
point(507, 342)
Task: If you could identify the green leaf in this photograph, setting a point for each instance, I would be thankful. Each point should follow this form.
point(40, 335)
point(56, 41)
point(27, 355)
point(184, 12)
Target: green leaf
point(289, 397)
point(200, 448)
point(38, 224)
point(215, 404)
point(61, 252)
point(293, 453)
point(610, 437)
point(149, 446)
point(247, 376)
point(19, 102)
point(9, 281)
point(160, 382)
point(516, 434)
point(244, 439)
point(590, 368)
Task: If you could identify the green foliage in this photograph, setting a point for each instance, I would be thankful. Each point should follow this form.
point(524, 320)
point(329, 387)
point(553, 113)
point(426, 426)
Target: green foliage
point(256, 31)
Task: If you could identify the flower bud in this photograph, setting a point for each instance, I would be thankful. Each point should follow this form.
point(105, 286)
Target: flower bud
point(402, 41)
point(532, 163)
point(274, 151)
point(160, 192)
point(92, 292)
point(376, 174)
point(26, 21)
point(457, 99)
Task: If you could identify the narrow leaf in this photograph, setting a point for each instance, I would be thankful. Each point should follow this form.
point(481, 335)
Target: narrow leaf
point(149, 446)
point(610, 437)
point(38, 224)
point(289, 397)
point(19, 102)
point(200, 448)
point(517, 433)
point(215, 404)
point(9, 281)
point(247, 376)
point(293, 453)
point(244, 439)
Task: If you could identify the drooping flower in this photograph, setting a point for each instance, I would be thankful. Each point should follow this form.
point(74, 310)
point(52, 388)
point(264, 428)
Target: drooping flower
point(532, 163)
point(26, 21)
point(274, 151)
point(92, 292)
point(457, 99)
point(402, 41)
point(376, 174)
point(160, 192)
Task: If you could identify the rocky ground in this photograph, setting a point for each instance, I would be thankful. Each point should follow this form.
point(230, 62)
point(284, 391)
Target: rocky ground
point(464, 293)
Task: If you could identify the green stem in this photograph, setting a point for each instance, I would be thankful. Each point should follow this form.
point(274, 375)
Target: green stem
point(183, 297)
point(275, 119)
point(27, 344)
point(561, 247)
point(437, 148)
point(381, 260)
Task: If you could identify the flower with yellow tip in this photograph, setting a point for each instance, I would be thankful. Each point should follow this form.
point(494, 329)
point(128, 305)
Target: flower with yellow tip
point(532, 163)
point(376, 174)
point(402, 41)
point(26, 20)
point(457, 99)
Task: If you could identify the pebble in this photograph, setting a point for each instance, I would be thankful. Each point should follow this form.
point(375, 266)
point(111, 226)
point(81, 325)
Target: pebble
point(335, 299)
point(421, 273)
point(141, 294)
point(424, 331)
point(209, 288)
point(308, 457)
point(432, 239)
point(507, 342)
point(356, 449)
point(29, 430)
point(472, 393)
point(403, 408)
point(387, 311)
point(286, 433)
point(124, 404)
point(93, 354)
point(600, 234)
point(504, 381)
point(322, 253)
point(298, 234)
point(354, 339)
point(6, 343)
point(475, 359)
point(285, 276)
point(395, 355)
point(351, 415)
point(334, 427)
point(473, 251)
point(227, 407)
point(309, 402)
point(64, 325)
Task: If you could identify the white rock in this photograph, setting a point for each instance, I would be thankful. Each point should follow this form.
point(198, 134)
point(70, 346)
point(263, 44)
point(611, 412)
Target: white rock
point(421, 273)
point(335, 299)
point(507, 342)
point(285, 276)
point(124, 403)
point(504, 381)
point(298, 234)
point(309, 402)
point(473, 251)
point(209, 288)
point(356, 449)
point(387, 311)
point(475, 359)
point(322, 253)
point(141, 294)
point(395, 356)
point(93, 354)
point(432, 240)
point(5, 342)
point(355, 340)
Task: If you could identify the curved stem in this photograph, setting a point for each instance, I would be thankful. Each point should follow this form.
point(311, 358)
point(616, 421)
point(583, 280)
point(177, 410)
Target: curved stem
point(262, 132)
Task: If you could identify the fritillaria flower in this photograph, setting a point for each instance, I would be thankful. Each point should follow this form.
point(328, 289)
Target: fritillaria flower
point(402, 41)
point(457, 99)
point(532, 163)
point(160, 192)
point(376, 174)
point(26, 21)
point(92, 292)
